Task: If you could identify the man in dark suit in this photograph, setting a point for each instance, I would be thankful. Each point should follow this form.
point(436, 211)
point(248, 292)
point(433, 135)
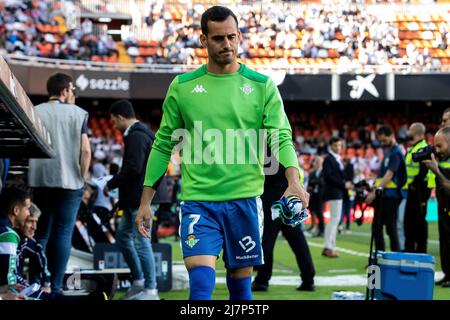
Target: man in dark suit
point(335, 186)
point(274, 186)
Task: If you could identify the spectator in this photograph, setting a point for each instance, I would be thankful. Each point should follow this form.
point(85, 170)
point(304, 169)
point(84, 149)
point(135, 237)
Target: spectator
point(136, 249)
point(30, 249)
point(14, 210)
point(347, 201)
point(274, 186)
point(315, 188)
point(335, 186)
point(58, 182)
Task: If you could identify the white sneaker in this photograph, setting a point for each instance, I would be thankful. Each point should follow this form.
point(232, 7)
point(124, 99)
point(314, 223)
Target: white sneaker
point(147, 294)
point(348, 231)
point(133, 292)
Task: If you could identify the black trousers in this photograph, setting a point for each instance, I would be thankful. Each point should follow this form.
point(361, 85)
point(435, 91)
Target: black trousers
point(317, 205)
point(386, 215)
point(416, 226)
point(295, 238)
point(444, 240)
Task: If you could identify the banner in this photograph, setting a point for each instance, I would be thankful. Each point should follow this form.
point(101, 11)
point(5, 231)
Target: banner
point(293, 87)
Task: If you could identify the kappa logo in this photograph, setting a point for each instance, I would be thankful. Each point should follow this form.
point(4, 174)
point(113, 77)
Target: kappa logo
point(247, 89)
point(191, 241)
point(199, 89)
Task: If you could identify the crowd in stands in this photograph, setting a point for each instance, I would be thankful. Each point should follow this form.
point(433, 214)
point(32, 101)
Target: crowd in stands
point(311, 134)
point(275, 33)
point(37, 28)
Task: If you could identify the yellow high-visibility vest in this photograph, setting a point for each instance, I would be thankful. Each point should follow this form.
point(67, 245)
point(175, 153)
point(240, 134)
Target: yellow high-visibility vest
point(413, 168)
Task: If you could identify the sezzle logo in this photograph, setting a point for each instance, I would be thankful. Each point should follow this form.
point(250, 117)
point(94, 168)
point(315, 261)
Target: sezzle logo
point(102, 84)
point(191, 241)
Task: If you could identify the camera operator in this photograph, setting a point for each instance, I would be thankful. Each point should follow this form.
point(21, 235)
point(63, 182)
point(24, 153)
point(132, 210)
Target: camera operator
point(415, 211)
point(391, 178)
point(441, 170)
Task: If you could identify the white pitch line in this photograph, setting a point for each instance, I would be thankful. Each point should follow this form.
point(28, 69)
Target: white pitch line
point(340, 249)
point(365, 234)
point(321, 281)
point(341, 270)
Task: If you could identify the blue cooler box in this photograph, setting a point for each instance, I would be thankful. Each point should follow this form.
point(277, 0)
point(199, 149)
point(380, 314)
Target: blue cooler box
point(405, 276)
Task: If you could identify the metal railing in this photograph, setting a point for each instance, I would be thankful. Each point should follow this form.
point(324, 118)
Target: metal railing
point(180, 68)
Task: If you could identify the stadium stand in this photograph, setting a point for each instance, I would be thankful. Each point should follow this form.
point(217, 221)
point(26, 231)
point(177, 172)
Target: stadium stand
point(281, 34)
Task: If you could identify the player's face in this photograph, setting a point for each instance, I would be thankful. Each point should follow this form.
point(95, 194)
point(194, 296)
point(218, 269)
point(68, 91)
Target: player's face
point(441, 146)
point(337, 147)
point(21, 213)
point(118, 122)
point(29, 227)
point(69, 94)
point(385, 141)
point(445, 120)
point(222, 41)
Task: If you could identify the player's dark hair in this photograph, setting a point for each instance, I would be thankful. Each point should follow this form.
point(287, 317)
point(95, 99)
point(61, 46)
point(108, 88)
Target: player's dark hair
point(216, 13)
point(11, 197)
point(57, 83)
point(122, 108)
point(385, 130)
point(113, 168)
point(333, 140)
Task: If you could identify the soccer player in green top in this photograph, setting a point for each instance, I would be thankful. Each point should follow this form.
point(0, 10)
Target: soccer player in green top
point(223, 112)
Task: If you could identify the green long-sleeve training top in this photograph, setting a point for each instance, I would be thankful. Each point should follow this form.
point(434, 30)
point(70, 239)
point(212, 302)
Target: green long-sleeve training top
point(222, 120)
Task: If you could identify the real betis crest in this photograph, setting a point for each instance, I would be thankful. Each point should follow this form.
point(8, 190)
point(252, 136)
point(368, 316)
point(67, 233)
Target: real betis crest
point(191, 241)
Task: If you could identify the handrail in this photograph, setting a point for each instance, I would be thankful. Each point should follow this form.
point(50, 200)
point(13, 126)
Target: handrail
point(181, 68)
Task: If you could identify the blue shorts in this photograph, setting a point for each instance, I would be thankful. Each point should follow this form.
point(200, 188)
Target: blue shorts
point(236, 226)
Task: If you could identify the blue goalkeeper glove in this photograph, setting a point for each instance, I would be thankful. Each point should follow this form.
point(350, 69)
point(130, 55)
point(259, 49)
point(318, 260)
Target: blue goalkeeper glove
point(290, 210)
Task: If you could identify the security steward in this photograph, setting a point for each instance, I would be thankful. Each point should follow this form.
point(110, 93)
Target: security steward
point(441, 170)
point(416, 227)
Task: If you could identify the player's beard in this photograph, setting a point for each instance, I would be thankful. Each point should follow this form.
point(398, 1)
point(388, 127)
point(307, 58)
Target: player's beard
point(223, 59)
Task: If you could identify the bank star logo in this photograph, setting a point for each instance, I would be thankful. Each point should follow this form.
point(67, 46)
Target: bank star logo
point(191, 241)
point(362, 84)
point(82, 82)
point(199, 89)
point(247, 89)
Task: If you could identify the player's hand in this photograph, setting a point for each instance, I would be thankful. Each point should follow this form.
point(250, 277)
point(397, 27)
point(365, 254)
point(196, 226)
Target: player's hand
point(370, 197)
point(19, 287)
point(432, 164)
point(46, 289)
point(106, 191)
point(12, 296)
point(297, 190)
point(143, 221)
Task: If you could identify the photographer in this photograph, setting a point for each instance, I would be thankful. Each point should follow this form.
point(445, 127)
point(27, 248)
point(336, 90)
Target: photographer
point(415, 211)
point(391, 178)
point(442, 171)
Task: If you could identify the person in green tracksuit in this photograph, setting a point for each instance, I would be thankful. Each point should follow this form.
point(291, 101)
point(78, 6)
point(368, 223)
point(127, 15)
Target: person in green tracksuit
point(14, 210)
point(220, 112)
